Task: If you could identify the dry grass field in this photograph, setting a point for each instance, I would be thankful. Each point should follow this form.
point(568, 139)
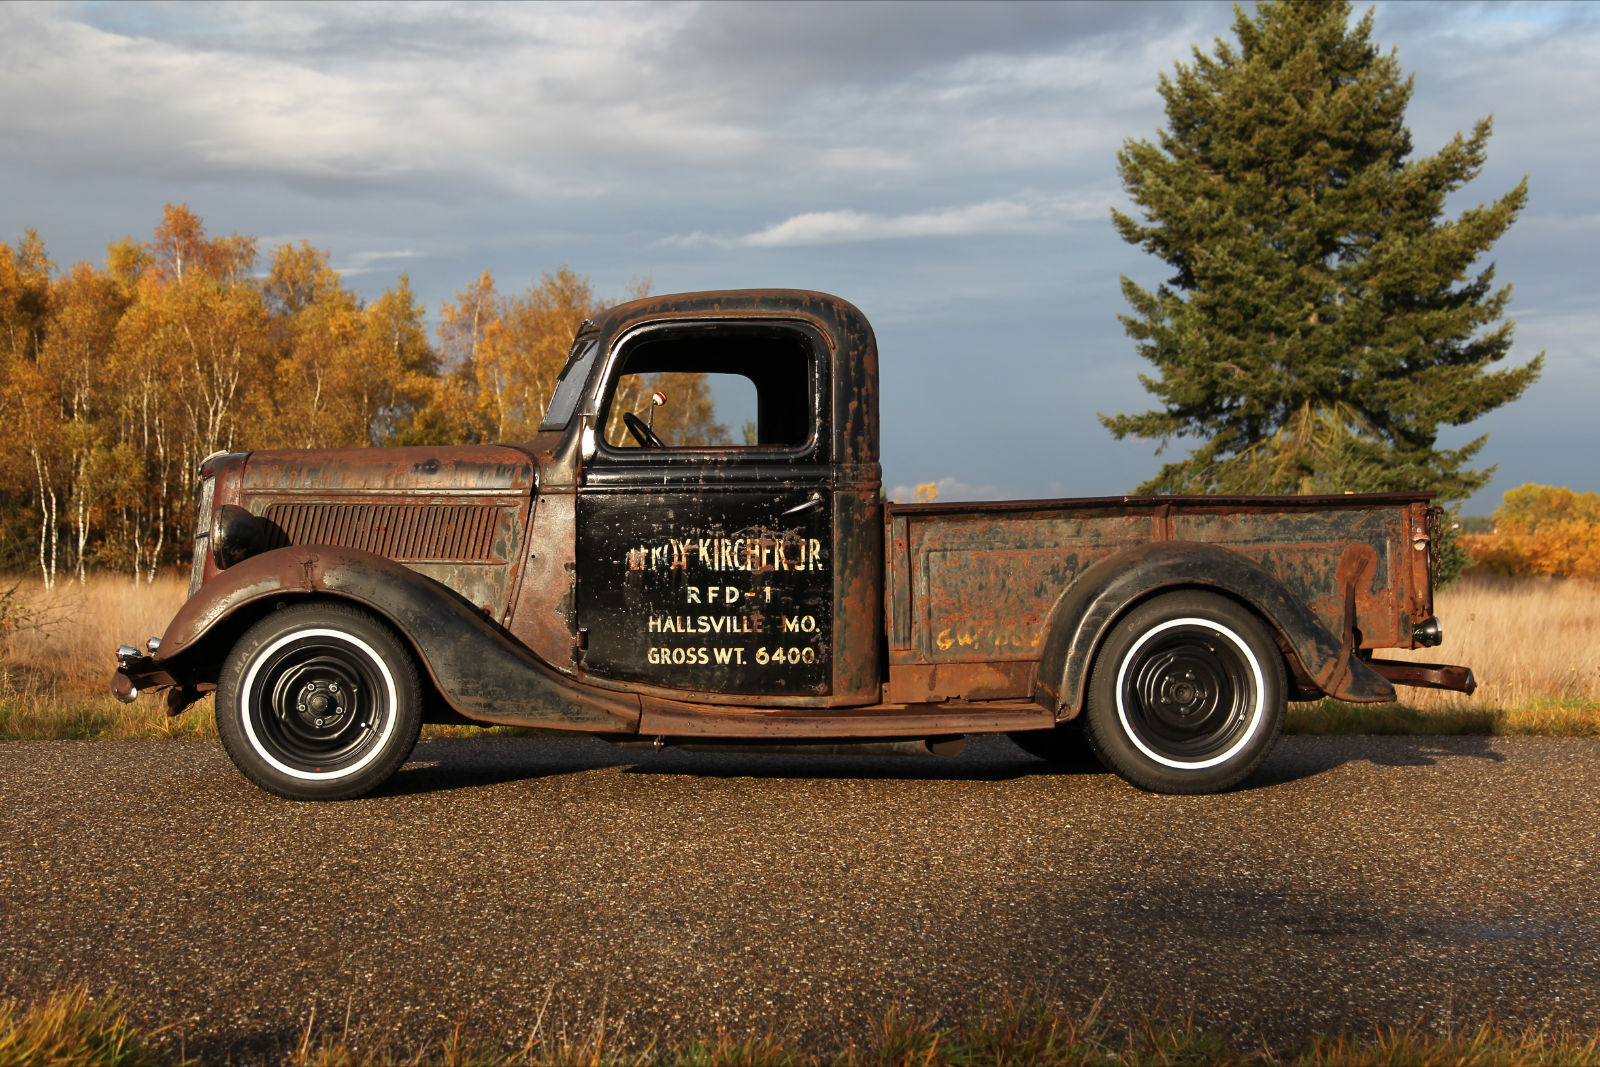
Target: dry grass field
point(71, 632)
point(58, 649)
point(1529, 640)
point(1534, 644)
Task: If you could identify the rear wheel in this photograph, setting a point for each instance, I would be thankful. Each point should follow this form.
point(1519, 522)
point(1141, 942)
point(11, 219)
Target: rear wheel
point(318, 701)
point(1187, 694)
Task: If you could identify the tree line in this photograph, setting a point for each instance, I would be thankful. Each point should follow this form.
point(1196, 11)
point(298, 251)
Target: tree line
point(1541, 530)
point(116, 381)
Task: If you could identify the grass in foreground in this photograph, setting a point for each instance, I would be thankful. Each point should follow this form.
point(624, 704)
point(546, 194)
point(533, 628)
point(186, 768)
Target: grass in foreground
point(73, 1027)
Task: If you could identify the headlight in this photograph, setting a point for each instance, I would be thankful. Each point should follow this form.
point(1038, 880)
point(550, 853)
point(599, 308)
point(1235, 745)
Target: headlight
point(236, 535)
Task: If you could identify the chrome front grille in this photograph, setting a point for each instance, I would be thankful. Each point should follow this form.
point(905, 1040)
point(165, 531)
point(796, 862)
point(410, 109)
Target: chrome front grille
point(202, 533)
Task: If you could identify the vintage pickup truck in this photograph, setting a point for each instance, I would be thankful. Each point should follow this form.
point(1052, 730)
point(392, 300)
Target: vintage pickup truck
point(600, 579)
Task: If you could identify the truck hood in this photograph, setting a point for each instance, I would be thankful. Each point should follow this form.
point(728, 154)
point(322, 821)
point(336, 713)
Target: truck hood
point(413, 469)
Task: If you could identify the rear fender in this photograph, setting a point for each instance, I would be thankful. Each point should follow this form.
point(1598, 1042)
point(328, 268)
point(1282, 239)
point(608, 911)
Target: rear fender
point(1098, 597)
point(479, 670)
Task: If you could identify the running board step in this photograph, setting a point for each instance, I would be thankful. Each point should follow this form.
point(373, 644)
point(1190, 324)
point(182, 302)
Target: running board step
point(943, 747)
point(684, 722)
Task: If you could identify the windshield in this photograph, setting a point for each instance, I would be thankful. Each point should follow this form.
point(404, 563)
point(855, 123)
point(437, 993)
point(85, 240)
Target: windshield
point(570, 385)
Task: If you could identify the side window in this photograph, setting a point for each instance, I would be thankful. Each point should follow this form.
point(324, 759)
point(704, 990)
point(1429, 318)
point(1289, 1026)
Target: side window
point(720, 386)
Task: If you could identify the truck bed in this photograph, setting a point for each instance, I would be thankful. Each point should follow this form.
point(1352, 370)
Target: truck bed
point(969, 587)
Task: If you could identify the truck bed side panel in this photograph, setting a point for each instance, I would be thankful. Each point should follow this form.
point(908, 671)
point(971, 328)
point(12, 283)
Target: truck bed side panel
point(976, 583)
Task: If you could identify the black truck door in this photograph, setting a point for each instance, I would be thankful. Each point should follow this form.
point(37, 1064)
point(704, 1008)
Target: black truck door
point(704, 522)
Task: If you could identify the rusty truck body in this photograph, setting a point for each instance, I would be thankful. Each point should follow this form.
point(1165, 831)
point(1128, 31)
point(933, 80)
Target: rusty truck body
point(599, 578)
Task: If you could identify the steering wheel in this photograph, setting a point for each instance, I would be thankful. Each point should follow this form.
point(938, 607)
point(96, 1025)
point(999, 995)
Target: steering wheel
point(641, 431)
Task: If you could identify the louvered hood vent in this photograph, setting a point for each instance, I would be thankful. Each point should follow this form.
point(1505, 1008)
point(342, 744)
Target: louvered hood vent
point(416, 533)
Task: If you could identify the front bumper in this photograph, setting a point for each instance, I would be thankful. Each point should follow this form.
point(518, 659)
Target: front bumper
point(138, 672)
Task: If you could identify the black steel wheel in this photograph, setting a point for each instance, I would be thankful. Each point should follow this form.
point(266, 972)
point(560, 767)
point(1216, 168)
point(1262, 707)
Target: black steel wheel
point(318, 701)
point(1187, 694)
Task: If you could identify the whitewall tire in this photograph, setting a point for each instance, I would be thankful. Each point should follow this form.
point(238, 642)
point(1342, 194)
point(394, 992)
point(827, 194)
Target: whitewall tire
point(1187, 694)
point(319, 701)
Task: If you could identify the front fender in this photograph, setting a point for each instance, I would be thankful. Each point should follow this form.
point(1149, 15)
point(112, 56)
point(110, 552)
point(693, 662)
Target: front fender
point(479, 670)
point(1101, 594)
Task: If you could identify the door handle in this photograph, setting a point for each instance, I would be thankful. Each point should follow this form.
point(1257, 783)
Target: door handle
point(814, 502)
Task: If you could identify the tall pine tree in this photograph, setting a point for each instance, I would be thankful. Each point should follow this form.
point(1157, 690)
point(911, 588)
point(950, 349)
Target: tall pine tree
point(1324, 319)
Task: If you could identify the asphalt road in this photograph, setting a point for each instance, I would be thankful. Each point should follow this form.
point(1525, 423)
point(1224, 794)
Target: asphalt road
point(1358, 882)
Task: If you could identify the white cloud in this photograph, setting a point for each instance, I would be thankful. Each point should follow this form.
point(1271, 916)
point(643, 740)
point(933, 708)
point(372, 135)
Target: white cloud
point(834, 227)
point(562, 102)
point(367, 262)
point(492, 91)
point(1024, 213)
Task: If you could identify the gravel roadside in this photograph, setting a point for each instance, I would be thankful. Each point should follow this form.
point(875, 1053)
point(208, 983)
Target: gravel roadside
point(1353, 883)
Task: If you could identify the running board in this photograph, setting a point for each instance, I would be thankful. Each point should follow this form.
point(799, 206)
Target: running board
point(684, 722)
point(943, 747)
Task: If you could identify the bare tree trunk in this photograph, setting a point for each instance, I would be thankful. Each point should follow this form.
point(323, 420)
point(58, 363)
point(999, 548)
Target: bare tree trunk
point(163, 466)
point(55, 536)
point(48, 535)
point(136, 539)
point(161, 537)
point(83, 533)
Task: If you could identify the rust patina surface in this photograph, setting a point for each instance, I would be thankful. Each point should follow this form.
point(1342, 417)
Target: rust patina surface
point(766, 590)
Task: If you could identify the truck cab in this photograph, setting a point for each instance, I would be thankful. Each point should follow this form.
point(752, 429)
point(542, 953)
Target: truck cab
point(715, 569)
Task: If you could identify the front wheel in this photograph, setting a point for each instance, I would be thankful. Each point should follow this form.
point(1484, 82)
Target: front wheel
point(318, 701)
point(1187, 694)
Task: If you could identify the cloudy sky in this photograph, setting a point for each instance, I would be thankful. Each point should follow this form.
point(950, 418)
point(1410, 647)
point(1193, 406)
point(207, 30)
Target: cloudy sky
point(949, 168)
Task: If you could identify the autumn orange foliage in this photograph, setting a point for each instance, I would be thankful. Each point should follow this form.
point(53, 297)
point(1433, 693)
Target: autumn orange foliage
point(116, 381)
point(1541, 530)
